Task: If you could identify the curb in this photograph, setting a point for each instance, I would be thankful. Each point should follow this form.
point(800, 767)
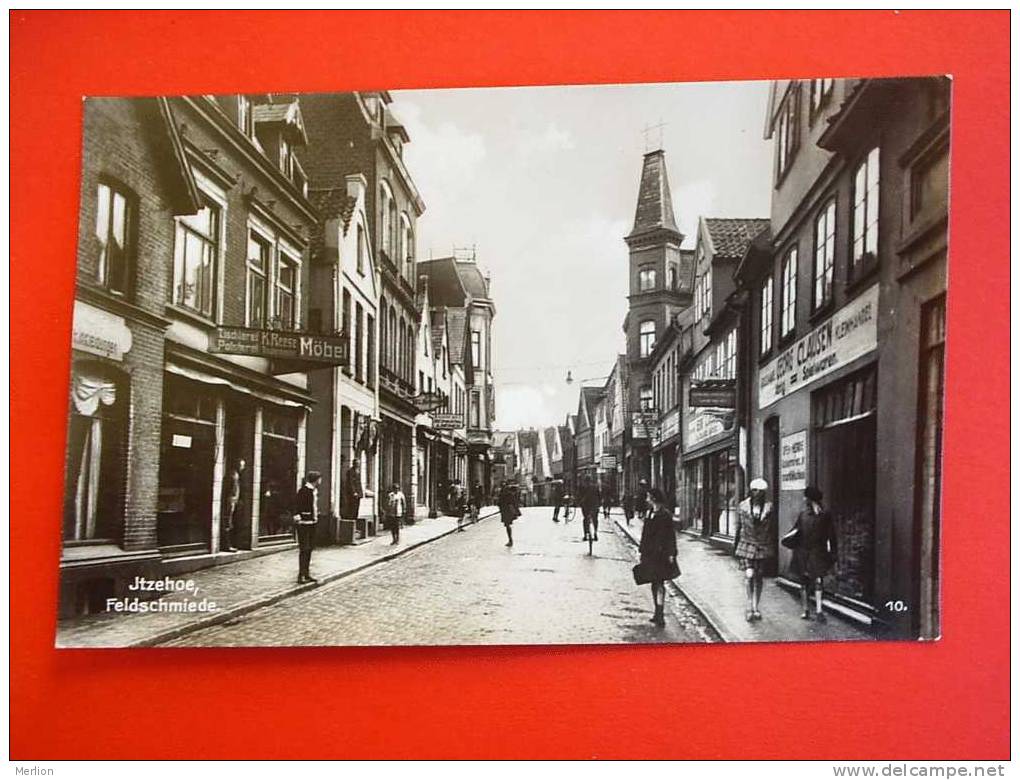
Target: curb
point(272, 598)
point(706, 612)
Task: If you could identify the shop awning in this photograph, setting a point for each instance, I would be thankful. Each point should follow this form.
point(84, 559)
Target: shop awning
point(209, 379)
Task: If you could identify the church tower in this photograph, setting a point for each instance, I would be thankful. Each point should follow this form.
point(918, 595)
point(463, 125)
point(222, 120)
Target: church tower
point(661, 286)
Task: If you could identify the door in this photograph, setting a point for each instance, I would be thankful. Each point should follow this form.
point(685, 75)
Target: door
point(770, 472)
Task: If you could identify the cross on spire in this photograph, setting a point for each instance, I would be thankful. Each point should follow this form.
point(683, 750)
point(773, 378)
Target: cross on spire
point(650, 143)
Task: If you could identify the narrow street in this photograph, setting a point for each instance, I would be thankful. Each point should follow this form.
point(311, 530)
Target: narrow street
point(469, 588)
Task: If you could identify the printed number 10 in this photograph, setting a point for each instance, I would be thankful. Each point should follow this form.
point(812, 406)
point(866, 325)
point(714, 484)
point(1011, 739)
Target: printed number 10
point(896, 606)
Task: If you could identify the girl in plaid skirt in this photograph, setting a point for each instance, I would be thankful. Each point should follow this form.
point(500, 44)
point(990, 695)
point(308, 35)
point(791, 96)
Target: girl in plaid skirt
point(752, 543)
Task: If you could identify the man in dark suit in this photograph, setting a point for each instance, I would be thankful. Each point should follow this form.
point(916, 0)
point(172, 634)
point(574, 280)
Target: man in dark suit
point(306, 507)
point(352, 494)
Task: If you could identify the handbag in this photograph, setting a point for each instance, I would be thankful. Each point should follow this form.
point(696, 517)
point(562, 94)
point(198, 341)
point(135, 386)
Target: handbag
point(645, 572)
point(791, 539)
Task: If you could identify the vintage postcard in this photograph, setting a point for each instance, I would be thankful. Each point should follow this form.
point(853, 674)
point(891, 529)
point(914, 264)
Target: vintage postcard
point(655, 363)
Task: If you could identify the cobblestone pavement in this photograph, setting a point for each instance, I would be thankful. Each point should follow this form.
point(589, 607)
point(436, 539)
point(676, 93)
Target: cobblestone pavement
point(469, 588)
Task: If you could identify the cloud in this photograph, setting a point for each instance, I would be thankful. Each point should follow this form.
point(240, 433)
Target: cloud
point(443, 156)
point(552, 138)
point(691, 200)
point(520, 406)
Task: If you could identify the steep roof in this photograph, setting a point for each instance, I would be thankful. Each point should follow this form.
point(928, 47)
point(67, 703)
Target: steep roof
point(456, 324)
point(503, 440)
point(654, 202)
point(452, 282)
point(731, 237)
point(438, 319)
point(528, 439)
point(550, 440)
point(590, 396)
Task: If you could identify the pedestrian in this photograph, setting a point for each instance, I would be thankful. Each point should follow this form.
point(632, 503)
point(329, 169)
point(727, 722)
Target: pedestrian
point(557, 498)
point(642, 499)
point(590, 502)
point(628, 506)
point(396, 505)
point(352, 493)
point(607, 503)
point(477, 501)
point(306, 513)
point(658, 552)
point(233, 514)
point(814, 551)
point(752, 543)
point(509, 510)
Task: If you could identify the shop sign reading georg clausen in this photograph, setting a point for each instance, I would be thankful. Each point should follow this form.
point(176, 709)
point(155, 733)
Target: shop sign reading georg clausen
point(850, 333)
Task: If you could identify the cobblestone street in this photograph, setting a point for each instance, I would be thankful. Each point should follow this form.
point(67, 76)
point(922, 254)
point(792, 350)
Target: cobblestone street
point(469, 588)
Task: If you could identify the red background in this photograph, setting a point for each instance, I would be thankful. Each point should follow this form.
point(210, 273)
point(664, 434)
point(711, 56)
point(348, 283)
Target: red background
point(877, 700)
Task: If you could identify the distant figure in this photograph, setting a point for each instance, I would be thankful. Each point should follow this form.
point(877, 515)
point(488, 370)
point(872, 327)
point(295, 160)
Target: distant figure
point(396, 505)
point(607, 503)
point(590, 502)
point(509, 510)
point(628, 506)
point(557, 499)
point(477, 501)
point(642, 499)
point(814, 551)
point(352, 493)
point(230, 521)
point(306, 509)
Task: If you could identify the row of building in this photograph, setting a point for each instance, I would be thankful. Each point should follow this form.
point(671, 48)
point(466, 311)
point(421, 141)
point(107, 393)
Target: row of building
point(250, 306)
point(805, 347)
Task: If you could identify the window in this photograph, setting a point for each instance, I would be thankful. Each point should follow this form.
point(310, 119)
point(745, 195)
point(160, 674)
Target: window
point(361, 249)
point(476, 409)
point(113, 229)
point(646, 338)
point(788, 301)
point(286, 293)
point(707, 293)
point(765, 317)
point(787, 138)
point(259, 252)
point(476, 349)
point(245, 121)
point(285, 157)
point(646, 279)
point(928, 179)
point(729, 370)
point(407, 246)
point(825, 252)
point(196, 250)
point(865, 212)
point(370, 350)
point(387, 217)
point(345, 323)
point(672, 277)
point(359, 343)
point(646, 400)
point(821, 90)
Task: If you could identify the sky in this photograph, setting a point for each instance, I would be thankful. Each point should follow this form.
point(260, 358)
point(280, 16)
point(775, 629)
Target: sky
point(543, 182)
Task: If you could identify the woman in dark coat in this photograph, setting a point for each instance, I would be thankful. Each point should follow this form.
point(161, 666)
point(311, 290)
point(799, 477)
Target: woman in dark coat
point(815, 551)
point(508, 510)
point(658, 551)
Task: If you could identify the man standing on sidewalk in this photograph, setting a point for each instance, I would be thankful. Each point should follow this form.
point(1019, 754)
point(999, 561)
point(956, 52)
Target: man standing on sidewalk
point(233, 505)
point(352, 493)
point(306, 506)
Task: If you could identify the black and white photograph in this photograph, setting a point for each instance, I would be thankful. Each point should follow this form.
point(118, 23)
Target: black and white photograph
point(560, 365)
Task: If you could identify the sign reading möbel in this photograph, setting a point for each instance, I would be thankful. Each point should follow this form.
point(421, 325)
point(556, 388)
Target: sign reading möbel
point(793, 461)
point(280, 344)
point(850, 333)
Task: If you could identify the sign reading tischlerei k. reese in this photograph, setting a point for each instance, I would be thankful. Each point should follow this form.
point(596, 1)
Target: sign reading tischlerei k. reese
point(279, 344)
point(850, 333)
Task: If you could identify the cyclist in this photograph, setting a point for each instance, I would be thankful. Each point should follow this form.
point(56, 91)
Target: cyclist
point(590, 503)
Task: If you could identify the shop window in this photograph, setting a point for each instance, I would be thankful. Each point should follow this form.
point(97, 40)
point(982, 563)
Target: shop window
point(765, 309)
point(97, 455)
point(865, 214)
point(187, 462)
point(279, 470)
point(114, 228)
point(844, 466)
point(825, 254)
point(693, 496)
point(196, 256)
point(788, 294)
point(259, 252)
point(726, 488)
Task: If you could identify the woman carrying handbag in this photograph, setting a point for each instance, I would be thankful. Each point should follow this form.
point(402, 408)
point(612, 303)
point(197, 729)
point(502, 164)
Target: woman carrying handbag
point(658, 554)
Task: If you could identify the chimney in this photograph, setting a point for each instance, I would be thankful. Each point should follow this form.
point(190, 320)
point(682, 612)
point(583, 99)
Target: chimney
point(356, 185)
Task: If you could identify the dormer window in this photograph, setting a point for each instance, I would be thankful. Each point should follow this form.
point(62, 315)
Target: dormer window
point(285, 157)
point(245, 116)
point(821, 91)
point(787, 137)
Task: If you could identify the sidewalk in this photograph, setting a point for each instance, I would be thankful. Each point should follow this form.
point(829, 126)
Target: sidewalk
point(712, 581)
point(238, 588)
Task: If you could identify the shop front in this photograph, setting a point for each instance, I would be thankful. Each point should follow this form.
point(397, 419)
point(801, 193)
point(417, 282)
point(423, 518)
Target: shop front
point(712, 479)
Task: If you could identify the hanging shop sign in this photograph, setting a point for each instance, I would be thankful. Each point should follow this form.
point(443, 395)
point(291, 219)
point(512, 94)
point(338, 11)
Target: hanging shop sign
point(99, 333)
point(460, 447)
point(714, 394)
point(850, 333)
point(793, 461)
point(643, 424)
point(446, 421)
point(608, 463)
point(428, 401)
point(279, 344)
point(668, 428)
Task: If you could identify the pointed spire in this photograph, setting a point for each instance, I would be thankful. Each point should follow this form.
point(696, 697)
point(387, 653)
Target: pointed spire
point(655, 203)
